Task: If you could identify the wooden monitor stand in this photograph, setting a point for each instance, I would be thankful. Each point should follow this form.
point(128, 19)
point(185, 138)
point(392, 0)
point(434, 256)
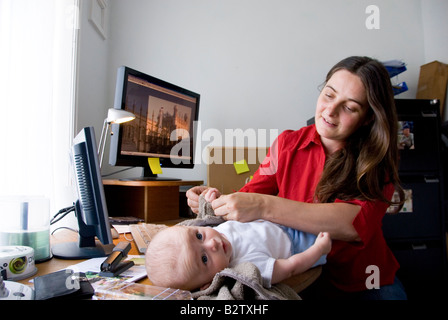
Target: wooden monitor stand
point(151, 201)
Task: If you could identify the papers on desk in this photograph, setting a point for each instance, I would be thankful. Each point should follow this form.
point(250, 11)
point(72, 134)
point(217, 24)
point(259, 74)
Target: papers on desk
point(123, 286)
point(92, 268)
point(121, 228)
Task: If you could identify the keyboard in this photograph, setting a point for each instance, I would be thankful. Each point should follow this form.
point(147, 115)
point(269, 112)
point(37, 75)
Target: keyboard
point(143, 234)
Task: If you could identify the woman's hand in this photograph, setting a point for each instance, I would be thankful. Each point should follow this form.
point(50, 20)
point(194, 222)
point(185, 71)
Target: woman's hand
point(194, 193)
point(240, 206)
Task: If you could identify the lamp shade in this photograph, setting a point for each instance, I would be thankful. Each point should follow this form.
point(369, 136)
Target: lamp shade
point(113, 116)
point(119, 116)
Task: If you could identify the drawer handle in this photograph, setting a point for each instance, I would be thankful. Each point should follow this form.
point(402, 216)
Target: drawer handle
point(429, 114)
point(431, 180)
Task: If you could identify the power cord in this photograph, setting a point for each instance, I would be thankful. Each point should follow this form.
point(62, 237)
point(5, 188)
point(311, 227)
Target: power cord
point(115, 172)
point(61, 214)
point(71, 229)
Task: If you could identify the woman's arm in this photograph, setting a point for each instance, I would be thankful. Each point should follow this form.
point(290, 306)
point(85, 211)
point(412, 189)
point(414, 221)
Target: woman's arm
point(334, 218)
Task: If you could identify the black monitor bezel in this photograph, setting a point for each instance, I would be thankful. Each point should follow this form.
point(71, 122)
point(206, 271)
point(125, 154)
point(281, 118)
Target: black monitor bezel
point(116, 158)
point(90, 208)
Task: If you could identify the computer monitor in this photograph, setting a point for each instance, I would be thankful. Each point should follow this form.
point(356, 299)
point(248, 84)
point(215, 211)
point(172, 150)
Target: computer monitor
point(90, 208)
point(163, 128)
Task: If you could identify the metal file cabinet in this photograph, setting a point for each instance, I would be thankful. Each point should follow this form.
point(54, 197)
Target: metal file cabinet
point(416, 235)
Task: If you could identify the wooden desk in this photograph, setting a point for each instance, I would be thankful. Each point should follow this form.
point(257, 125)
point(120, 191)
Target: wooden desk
point(55, 264)
point(151, 201)
point(298, 283)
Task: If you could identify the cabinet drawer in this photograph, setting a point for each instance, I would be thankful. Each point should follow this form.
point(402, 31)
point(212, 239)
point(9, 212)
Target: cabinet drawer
point(422, 269)
point(421, 215)
point(419, 135)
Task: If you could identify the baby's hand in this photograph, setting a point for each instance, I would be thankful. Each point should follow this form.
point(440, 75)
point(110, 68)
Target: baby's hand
point(211, 194)
point(323, 241)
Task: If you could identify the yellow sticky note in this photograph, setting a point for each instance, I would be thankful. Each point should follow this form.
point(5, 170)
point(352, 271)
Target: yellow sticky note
point(241, 166)
point(154, 165)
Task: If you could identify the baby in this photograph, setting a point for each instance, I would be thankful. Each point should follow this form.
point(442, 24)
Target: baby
point(188, 257)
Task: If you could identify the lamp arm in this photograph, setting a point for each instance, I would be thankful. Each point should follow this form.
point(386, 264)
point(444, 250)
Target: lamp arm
point(103, 139)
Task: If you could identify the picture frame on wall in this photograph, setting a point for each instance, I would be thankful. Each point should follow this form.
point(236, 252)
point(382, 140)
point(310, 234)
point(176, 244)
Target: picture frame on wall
point(98, 16)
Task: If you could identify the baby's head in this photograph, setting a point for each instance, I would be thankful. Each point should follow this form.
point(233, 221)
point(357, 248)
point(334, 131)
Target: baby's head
point(187, 258)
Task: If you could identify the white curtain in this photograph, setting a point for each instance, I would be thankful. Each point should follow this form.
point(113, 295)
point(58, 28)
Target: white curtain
point(38, 41)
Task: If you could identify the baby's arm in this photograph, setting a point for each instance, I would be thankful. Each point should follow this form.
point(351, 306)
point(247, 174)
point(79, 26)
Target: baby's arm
point(300, 262)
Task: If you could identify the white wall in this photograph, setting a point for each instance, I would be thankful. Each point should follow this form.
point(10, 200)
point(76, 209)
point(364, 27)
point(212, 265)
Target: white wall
point(256, 63)
point(435, 33)
point(93, 73)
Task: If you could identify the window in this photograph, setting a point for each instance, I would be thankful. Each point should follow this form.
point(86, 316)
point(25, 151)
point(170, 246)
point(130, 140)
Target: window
point(37, 63)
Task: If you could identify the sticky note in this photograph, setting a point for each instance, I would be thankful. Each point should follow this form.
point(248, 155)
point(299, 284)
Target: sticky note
point(154, 165)
point(241, 166)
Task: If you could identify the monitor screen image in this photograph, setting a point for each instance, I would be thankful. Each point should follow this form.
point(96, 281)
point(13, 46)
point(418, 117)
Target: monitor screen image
point(90, 208)
point(163, 127)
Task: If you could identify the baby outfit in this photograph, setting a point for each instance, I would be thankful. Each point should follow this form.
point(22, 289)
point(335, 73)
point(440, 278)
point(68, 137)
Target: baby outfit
point(262, 242)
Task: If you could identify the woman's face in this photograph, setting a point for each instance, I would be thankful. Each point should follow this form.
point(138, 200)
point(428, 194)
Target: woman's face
point(341, 109)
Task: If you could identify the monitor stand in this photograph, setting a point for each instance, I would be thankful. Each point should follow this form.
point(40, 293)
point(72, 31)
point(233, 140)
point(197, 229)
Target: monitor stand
point(72, 251)
point(86, 247)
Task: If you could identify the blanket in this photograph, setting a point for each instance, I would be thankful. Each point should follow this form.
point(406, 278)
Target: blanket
point(206, 216)
point(242, 282)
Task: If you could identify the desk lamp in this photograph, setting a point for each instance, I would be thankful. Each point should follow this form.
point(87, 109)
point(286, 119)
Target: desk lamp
point(113, 116)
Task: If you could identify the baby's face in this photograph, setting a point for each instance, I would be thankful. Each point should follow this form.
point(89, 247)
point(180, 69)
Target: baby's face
point(210, 252)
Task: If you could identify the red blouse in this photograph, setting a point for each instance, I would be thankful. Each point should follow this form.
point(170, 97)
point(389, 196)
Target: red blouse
point(292, 170)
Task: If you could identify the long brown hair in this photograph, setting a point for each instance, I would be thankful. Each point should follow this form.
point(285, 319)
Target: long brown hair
point(369, 159)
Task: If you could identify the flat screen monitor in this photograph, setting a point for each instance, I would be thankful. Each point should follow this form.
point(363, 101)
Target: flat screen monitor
point(90, 208)
point(163, 129)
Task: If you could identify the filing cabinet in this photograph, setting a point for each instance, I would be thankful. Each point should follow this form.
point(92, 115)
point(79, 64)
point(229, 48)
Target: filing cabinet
point(416, 235)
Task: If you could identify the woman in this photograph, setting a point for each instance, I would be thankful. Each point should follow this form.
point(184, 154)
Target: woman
point(336, 176)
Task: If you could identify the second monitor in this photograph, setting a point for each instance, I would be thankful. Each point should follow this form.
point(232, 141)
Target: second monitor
point(164, 124)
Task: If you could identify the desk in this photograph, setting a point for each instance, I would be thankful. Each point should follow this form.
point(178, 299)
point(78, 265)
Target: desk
point(151, 201)
point(55, 264)
point(298, 283)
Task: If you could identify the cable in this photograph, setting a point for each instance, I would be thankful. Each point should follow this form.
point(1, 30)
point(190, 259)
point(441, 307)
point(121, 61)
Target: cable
point(111, 174)
point(62, 213)
point(124, 236)
point(71, 229)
